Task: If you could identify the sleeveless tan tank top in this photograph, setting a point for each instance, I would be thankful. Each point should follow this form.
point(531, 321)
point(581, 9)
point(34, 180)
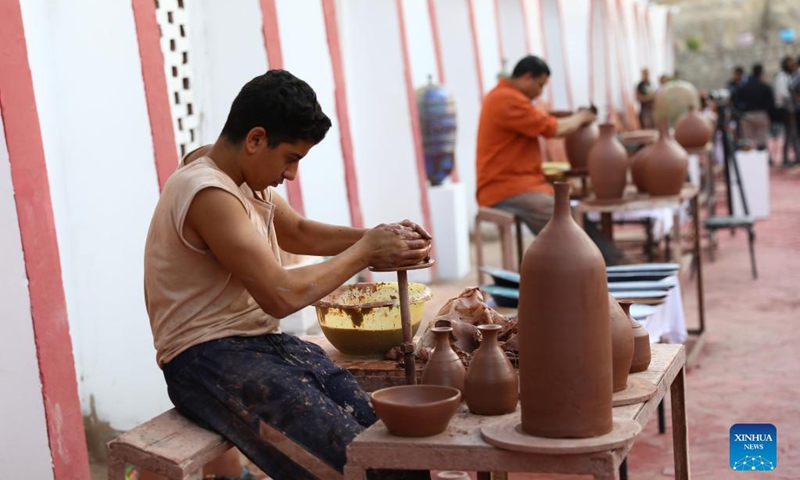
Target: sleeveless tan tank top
point(190, 296)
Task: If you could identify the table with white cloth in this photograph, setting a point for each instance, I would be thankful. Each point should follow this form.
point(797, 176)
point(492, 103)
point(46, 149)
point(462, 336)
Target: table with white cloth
point(668, 316)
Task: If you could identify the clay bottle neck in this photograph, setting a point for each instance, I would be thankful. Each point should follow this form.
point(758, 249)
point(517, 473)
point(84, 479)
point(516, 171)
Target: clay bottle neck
point(561, 209)
point(489, 335)
point(663, 130)
point(607, 130)
point(442, 339)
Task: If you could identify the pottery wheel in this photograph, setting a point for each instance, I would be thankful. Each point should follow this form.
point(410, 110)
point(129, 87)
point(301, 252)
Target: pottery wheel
point(638, 390)
point(508, 435)
point(417, 266)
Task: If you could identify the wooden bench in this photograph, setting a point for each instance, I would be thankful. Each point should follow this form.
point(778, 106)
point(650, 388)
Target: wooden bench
point(170, 445)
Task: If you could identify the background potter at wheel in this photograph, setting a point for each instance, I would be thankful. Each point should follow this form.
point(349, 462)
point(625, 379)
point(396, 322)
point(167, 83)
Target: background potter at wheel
point(508, 435)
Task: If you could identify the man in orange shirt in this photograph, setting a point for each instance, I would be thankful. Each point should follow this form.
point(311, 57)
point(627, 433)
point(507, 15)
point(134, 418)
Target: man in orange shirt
point(509, 161)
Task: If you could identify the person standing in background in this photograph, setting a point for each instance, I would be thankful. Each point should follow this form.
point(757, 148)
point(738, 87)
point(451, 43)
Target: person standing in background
point(784, 111)
point(757, 102)
point(645, 95)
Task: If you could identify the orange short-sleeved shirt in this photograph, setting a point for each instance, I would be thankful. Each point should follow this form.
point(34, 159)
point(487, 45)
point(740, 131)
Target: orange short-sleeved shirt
point(508, 160)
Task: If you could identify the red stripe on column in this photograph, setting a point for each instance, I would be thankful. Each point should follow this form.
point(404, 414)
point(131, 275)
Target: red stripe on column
point(40, 247)
point(350, 177)
point(567, 79)
point(422, 178)
point(155, 89)
point(473, 30)
point(591, 56)
point(544, 49)
point(437, 47)
point(272, 42)
point(497, 25)
point(524, 9)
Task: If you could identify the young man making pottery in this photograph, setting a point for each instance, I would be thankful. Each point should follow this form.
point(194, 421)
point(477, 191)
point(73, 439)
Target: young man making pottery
point(216, 291)
point(508, 159)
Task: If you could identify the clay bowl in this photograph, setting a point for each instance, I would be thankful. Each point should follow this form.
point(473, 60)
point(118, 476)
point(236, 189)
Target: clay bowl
point(363, 319)
point(416, 410)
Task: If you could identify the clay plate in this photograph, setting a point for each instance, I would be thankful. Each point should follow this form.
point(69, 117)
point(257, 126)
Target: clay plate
point(508, 435)
point(638, 390)
point(417, 266)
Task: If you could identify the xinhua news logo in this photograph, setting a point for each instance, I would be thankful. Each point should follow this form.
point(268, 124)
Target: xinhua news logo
point(754, 447)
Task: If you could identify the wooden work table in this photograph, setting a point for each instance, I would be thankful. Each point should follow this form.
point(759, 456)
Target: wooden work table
point(461, 447)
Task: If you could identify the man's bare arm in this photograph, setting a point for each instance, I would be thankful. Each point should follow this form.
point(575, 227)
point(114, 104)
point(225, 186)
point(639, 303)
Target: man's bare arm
point(573, 122)
point(219, 219)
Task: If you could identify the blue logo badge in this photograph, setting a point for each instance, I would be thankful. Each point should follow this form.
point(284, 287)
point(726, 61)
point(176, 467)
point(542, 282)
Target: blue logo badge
point(754, 447)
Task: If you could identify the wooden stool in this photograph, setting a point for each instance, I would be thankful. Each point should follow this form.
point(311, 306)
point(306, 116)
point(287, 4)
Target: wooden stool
point(175, 447)
point(746, 222)
point(504, 220)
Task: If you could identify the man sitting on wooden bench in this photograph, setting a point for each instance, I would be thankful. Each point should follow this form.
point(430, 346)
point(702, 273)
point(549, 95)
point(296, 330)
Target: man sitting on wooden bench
point(215, 288)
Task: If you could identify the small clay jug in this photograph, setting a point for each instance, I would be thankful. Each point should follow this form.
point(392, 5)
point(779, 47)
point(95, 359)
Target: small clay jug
point(444, 367)
point(667, 164)
point(492, 385)
point(641, 343)
point(578, 144)
point(638, 165)
point(564, 331)
point(692, 130)
point(621, 342)
point(608, 164)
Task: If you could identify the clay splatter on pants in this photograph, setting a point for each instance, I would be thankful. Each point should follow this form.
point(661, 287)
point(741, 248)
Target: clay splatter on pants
point(235, 385)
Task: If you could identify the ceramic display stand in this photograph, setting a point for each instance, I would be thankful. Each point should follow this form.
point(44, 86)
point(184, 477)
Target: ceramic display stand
point(405, 316)
point(638, 390)
point(508, 435)
point(450, 226)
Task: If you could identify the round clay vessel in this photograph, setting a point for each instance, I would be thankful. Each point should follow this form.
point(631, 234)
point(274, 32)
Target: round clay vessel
point(416, 410)
point(578, 144)
point(641, 343)
point(667, 164)
point(564, 332)
point(692, 130)
point(608, 164)
point(621, 342)
point(638, 165)
point(492, 385)
point(444, 367)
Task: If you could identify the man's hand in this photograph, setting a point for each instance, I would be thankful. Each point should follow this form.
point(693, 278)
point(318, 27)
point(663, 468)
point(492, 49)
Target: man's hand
point(397, 244)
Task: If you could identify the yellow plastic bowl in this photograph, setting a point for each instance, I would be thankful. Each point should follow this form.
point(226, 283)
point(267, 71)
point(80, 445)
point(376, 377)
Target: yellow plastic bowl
point(363, 319)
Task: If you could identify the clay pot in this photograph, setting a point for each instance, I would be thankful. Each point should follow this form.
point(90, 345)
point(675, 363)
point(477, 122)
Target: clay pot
point(667, 164)
point(638, 165)
point(621, 342)
point(641, 343)
point(565, 335)
point(692, 130)
point(416, 410)
point(608, 164)
point(578, 144)
point(492, 385)
point(444, 367)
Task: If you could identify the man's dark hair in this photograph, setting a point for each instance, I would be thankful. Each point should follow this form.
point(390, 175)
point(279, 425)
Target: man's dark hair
point(758, 69)
point(531, 64)
point(285, 106)
point(739, 70)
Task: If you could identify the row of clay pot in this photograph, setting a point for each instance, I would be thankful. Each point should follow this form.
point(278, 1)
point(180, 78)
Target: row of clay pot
point(658, 169)
point(630, 343)
point(490, 386)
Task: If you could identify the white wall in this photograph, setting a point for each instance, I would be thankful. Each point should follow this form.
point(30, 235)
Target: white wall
point(512, 30)
point(488, 47)
point(304, 44)
point(98, 145)
point(559, 64)
point(24, 448)
point(421, 49)
point(576, 15)
point(458, 58)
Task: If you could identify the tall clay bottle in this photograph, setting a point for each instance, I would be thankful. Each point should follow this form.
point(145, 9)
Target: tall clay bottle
point(578, 144)
point(492, 385)
point(621, 342)
point(565, 333)
point(608, 164)
point(444, 367)
point(667, 164)
point(641, 343)
point(692, 130)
